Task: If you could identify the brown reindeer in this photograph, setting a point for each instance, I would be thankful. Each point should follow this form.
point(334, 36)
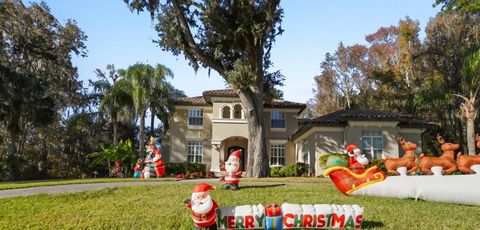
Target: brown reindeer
point(408, 159)
point(446, 160)
point(464, 162)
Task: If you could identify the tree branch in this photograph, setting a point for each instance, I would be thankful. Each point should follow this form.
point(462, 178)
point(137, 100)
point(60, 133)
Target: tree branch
point(192, 46)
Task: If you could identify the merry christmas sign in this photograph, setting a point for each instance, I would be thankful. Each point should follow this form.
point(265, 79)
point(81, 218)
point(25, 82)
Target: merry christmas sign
point(292, 216)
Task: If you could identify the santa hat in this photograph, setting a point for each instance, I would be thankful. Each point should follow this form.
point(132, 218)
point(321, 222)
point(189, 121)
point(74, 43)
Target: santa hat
point(236, 154)
point(202, 187)
point(352, 148)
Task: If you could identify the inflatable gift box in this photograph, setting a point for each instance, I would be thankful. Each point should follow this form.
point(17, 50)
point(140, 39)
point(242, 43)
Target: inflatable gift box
point(274, 218)
point(321, 216)
point(241, 217)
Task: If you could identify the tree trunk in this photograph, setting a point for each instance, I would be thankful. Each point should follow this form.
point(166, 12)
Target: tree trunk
point(141, 138)
point(471, 136)
point(115, 131)
point(11, 158)
point(152, 121)
point(258, 164)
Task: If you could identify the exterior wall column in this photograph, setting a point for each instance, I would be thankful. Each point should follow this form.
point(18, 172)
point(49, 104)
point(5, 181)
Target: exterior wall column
point(215, 158)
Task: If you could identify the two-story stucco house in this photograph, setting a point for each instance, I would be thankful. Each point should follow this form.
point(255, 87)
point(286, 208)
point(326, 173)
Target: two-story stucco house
point(207, 128)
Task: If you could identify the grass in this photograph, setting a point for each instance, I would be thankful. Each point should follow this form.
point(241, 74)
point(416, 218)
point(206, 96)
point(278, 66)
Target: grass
point(161, 207)
point(28, 184)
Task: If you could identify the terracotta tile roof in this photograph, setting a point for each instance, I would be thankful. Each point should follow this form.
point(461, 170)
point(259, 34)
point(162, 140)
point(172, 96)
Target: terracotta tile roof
point(340, 119)
point(205, 100)
point(194, 101)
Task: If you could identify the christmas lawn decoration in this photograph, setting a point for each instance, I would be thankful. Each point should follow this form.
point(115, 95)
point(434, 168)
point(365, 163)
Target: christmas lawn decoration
point(203, 207)
point(465, 162)
point(137, 171)
point(408, 159)
point(232, 172)
point(290, 216)
point(459, 189)
point(153, 161)
point(355, 176)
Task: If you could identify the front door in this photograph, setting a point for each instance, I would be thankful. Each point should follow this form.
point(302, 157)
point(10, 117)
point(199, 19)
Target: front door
point(242, 155)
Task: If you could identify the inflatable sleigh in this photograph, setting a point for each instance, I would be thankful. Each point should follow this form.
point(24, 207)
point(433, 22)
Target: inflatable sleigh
point(433, 186)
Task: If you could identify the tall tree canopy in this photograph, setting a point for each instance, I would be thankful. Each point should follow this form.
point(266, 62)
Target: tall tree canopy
point(37, 76)
point(234, 38)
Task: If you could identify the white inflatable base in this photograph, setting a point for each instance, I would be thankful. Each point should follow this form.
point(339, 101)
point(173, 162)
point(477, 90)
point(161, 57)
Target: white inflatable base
point(459, 189)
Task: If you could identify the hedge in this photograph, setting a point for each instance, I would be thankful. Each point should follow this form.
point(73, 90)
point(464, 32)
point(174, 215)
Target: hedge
point(298, 169)
point(177, 168)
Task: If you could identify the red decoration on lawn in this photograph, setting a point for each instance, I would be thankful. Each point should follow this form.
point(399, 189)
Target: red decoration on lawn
point(464, 162)
point(350, 179)
point(153, 161)
point(203, 207)
point(232, 173)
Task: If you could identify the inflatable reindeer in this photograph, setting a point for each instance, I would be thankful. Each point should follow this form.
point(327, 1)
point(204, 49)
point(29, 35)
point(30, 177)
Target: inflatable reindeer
point(446, 161)
point(408, 159)
point(464, 162)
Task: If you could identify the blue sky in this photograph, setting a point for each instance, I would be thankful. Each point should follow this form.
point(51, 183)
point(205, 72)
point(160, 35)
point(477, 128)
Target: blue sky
point(312, 28)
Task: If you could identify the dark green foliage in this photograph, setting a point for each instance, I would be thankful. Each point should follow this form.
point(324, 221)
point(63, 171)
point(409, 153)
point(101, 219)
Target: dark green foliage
point(178, 168)
point(122, 151)
point(294, 170)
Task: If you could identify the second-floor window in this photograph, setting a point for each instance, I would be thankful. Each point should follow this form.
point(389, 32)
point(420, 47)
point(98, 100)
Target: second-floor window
point(226, 112)
point(195, 117)
point(237, 111)
point(277, 119)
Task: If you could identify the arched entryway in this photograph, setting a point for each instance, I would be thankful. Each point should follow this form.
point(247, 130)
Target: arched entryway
point(231, 144)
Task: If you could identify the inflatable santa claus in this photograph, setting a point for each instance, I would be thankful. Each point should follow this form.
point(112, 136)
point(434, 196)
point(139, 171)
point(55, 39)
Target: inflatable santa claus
point(157, 159)
point(232, 171)
point(203, 207)
point(357, 159)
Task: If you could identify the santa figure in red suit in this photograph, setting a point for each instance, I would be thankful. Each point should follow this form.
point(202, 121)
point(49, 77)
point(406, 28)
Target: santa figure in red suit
point(232, 172)
point(203, 207)
point(157, 159)
point(357, 160)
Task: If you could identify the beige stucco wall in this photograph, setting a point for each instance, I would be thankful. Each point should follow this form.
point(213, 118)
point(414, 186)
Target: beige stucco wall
point(324, 143)
point(181, 134)
point(389, 131)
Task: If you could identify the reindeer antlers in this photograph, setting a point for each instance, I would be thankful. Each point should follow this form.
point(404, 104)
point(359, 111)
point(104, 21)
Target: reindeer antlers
point(440, 139)
point(400, 139)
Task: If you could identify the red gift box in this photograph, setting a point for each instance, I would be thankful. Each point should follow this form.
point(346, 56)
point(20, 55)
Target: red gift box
point(273, 210)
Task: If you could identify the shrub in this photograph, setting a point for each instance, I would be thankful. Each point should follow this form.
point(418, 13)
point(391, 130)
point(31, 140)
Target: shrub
point(379, 163)
point(177, 168)
point(298, 169)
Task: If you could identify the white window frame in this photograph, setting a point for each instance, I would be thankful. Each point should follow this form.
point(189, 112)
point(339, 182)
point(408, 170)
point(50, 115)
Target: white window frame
point(194, 113)
point(272, 116)
point(275, 154)
point(194, 150)
point(370, 151)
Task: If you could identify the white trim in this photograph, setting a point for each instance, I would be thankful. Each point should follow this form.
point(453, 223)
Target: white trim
point(281, 110)
point(373, 123)
point(277, 141)
point(231, 121)
point(225, 99)
point(411, 130)
point(198, 127)
point(216, 142)
point(278, 129)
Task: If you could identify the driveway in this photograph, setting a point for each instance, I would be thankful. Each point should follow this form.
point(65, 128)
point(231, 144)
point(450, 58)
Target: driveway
point(55, 189)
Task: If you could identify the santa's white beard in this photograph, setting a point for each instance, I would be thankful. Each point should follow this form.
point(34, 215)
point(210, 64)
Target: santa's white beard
point(202, 207)
point(362, 160)
point(231, 167)
point(156, 158)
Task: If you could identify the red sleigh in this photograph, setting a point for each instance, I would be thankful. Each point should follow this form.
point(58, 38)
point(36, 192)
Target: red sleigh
point(348, 181)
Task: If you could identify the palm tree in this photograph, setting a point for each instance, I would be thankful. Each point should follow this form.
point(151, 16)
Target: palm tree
point(144, 79)
point(117, 101)
point(163, 105)
point(470, 87)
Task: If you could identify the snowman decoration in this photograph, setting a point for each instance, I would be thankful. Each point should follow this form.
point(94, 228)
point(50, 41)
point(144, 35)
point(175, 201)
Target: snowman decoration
point(232, 172)
point(203, 207)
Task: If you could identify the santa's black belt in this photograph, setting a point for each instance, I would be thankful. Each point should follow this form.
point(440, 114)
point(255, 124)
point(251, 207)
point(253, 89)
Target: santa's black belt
point(203, 216)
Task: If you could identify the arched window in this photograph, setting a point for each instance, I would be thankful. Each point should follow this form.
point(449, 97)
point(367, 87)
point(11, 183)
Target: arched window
point(237, 111)
point(226, 112)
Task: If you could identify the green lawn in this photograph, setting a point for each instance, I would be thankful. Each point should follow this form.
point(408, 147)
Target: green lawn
point(28, 184)
point(161, 207)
